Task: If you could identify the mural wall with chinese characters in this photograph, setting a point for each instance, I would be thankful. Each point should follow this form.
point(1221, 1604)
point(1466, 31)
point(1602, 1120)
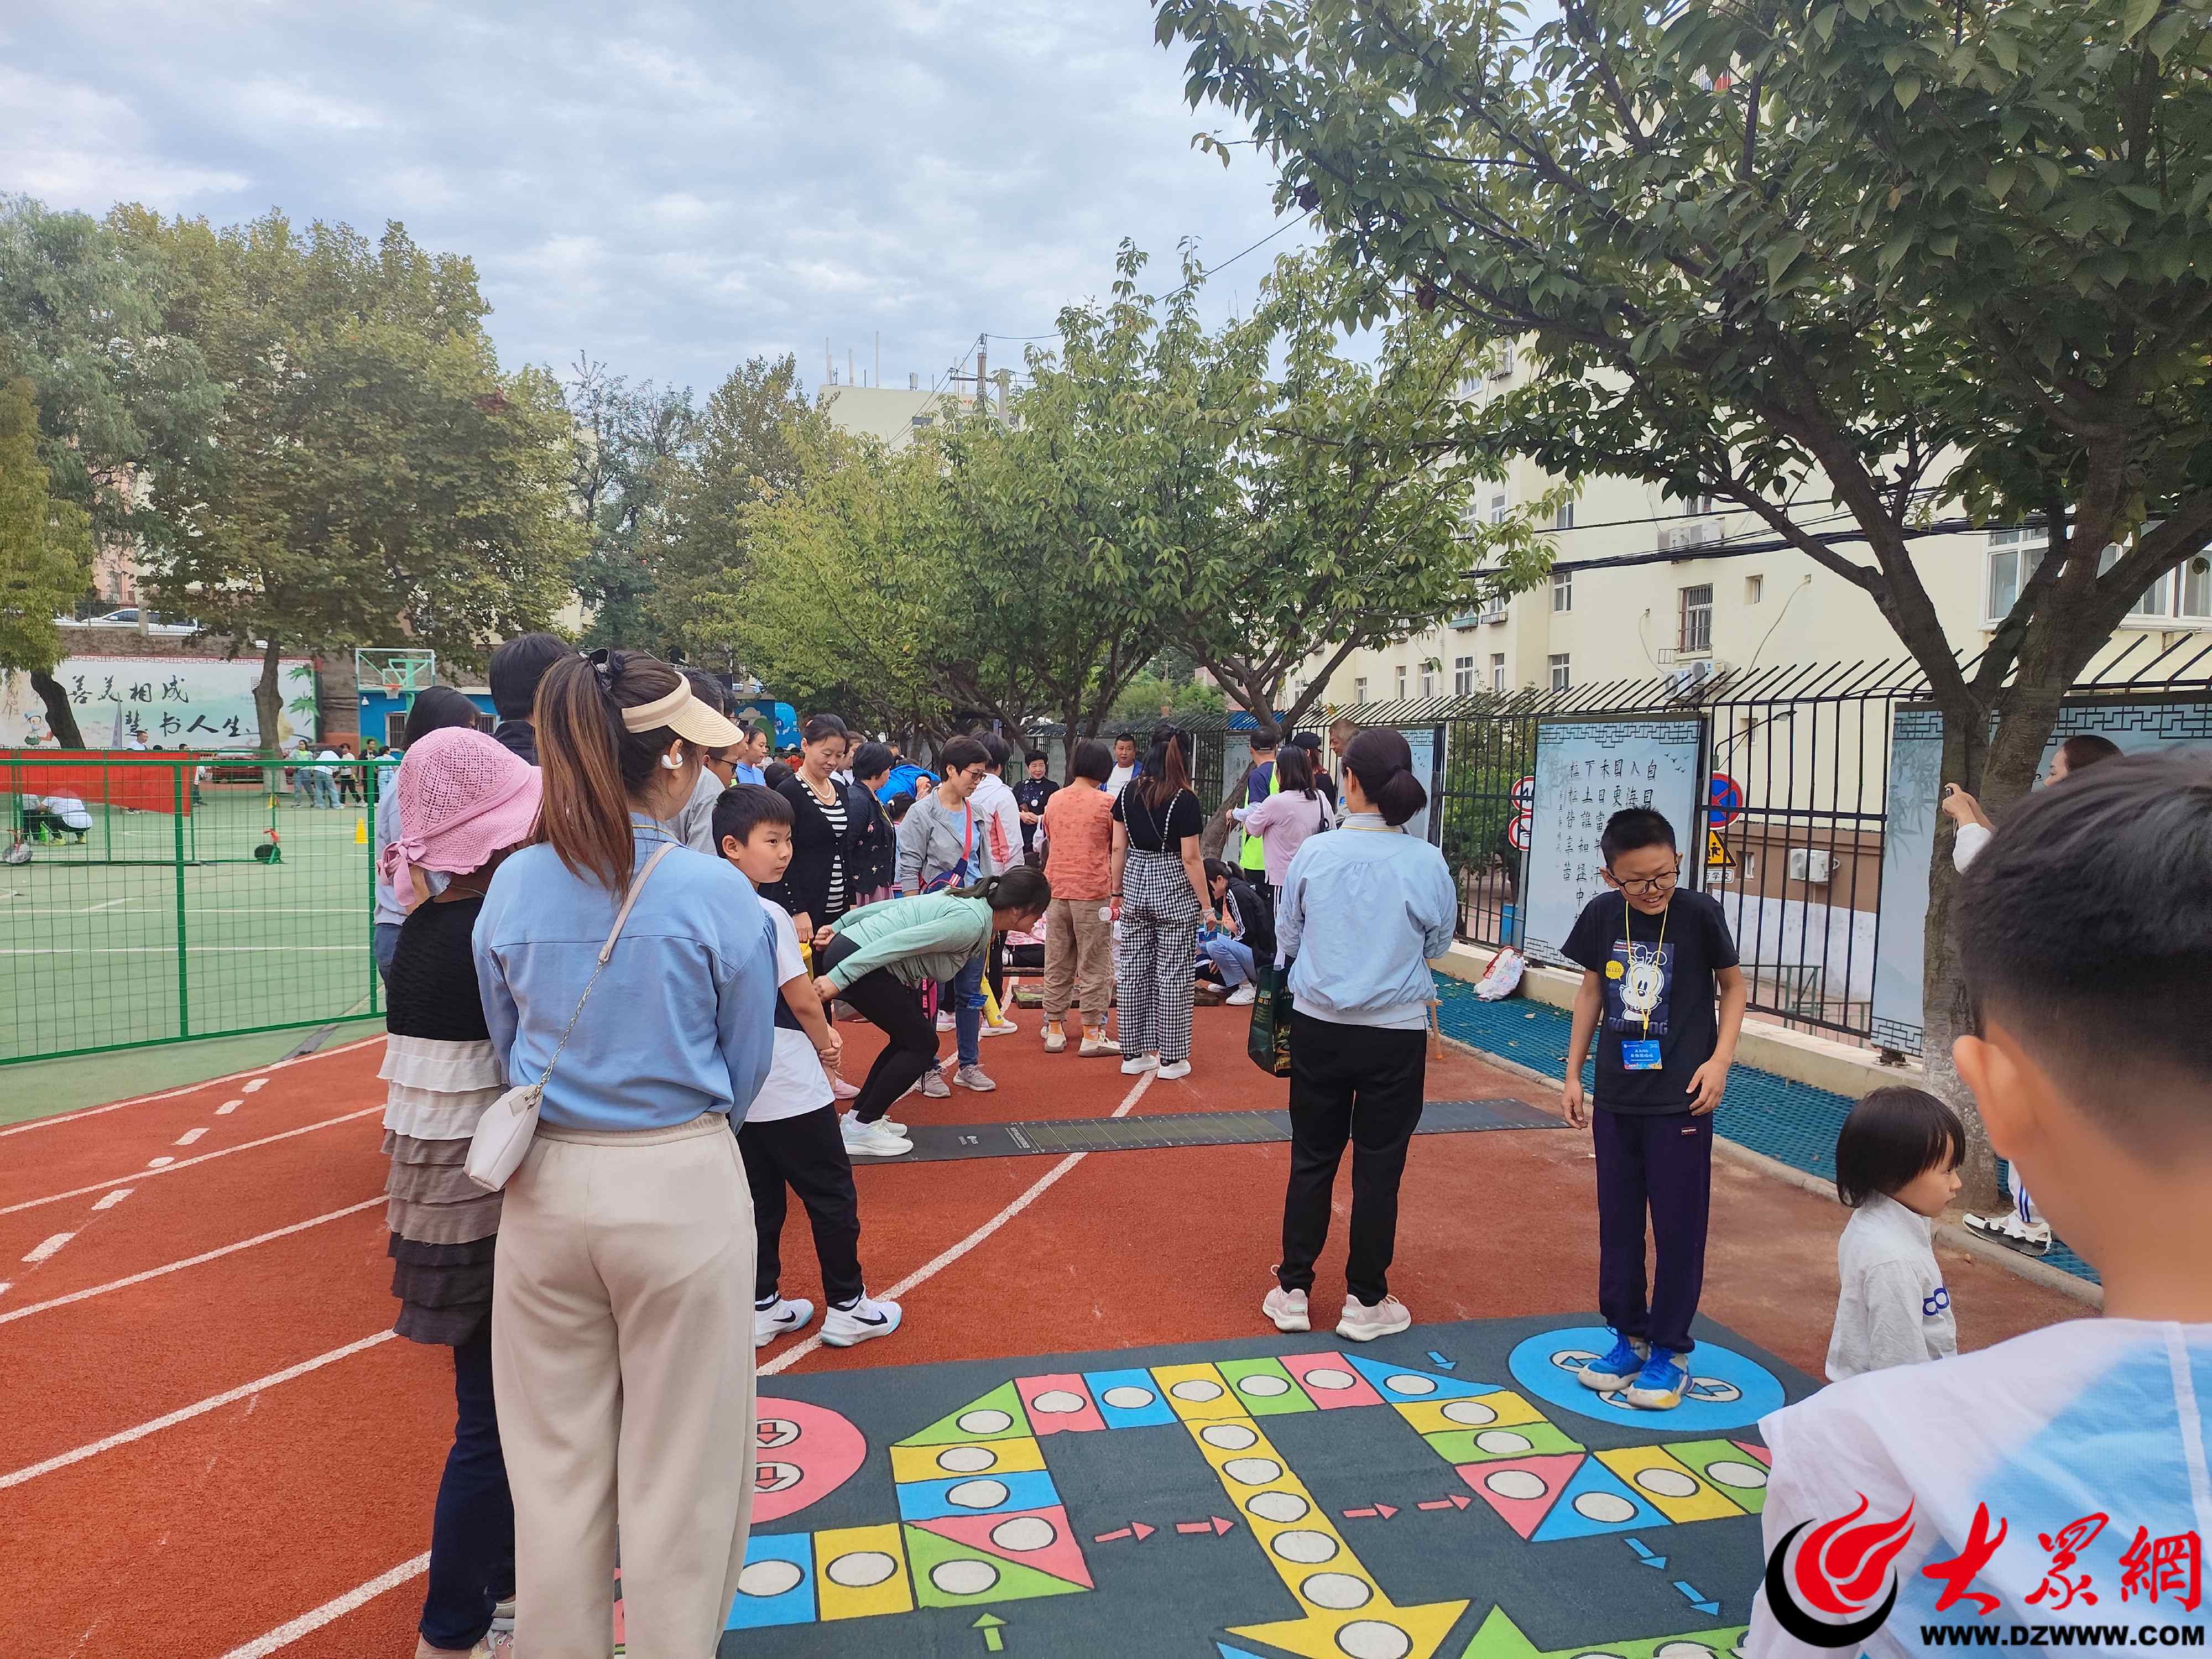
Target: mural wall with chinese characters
point(1586, 771)
point(167, 702)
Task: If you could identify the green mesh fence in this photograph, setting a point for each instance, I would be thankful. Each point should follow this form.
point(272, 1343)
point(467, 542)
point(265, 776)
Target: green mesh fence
point(164, 898)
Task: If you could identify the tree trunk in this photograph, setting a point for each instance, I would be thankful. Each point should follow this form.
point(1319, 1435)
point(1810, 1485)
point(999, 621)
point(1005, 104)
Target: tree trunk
point(60, 716)
point(1996, 769)
point(269, 696)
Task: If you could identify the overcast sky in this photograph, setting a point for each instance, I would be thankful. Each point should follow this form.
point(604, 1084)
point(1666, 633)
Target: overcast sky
point(670, 186)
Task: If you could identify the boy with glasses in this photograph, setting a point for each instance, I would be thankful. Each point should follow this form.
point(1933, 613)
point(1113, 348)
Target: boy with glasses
point(1652, 956)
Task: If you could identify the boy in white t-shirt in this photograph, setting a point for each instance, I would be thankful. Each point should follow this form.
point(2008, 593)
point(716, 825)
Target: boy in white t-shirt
point(790, 1137)
point(2057, 1482)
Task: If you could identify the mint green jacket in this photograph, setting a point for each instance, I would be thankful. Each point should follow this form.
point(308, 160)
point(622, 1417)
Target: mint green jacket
point(917, 940)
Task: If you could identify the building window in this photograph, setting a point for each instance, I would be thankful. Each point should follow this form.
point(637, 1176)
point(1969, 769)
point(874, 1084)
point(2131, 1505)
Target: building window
point(1498, 671)
point(1565, 518)
point(2196, 587)
point(2152, 602)
point(1701, 507)
point(1560, 678)
point(1754, 589)
point(1498, 509)
point(2013, 556)
point(1428, 680)
point(1359, 689)
point(1696, 639)
point(1462, 677)
point(1563, 590)
point(1401, 682)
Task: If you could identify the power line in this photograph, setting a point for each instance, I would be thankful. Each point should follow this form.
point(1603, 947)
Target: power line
point(1210, 270)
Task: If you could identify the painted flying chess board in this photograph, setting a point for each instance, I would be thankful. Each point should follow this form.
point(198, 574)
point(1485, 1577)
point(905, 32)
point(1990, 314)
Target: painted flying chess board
point(1453, 1491)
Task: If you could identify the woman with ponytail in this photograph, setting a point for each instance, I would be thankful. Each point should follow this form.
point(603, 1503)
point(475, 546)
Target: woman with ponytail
point(881, 956)
point(636, 978)
point(1362, 912)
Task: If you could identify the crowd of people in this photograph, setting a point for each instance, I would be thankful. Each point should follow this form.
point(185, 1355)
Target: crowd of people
point(618, 900)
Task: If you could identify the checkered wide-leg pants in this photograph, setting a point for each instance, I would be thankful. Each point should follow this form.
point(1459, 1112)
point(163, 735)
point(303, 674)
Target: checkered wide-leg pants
point(1155, 956)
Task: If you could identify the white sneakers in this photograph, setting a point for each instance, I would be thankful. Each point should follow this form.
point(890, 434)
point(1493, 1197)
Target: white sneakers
point(1362, 1323)
point(946, 1021)
point(779, 1318)
point(1001, 1028)
point(1242, 997)
point(870, 1139)
point(1175, 1068)
point(1287, 1309)
point(1136, 1063)
point(1096, 1047)
point(2031, 1239)
point(973, 1077)
point(1056, 1037)
point(863, 1321)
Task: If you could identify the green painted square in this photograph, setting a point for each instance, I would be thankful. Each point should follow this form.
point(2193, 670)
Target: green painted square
point(1279, 1403)
point(1461, 1445)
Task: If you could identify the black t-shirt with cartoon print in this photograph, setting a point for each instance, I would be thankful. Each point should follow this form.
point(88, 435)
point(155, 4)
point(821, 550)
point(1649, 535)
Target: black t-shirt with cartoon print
point(1657, 989)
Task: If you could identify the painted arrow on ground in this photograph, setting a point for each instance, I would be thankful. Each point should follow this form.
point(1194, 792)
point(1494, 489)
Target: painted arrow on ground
point(1454, 1502)
point(1438, 1359)
point(1383, 1510)
point(1136, 1530)
point(991, 1625)
point(1645, 1554)
point(1696, 1597)
point(1214, 1524)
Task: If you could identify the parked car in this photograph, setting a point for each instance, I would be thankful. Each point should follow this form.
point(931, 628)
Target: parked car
point(128, 617)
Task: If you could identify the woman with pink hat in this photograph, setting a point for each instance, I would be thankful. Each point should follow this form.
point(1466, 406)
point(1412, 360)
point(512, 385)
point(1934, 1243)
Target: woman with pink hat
point(463, 802)
point(623, 1297)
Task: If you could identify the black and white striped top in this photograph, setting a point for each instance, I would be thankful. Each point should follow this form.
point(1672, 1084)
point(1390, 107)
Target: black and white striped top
point(833, 811)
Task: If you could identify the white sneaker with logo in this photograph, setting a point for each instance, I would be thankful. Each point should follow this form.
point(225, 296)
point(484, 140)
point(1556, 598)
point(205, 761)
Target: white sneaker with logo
point(863, 1321)
point(2030, 1238)
point(779, 1318)
point(871, 1140)
point(1242, 997)
point(945, 1022)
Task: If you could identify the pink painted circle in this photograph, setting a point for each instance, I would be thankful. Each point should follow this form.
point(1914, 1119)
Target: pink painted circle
point(802, 1453)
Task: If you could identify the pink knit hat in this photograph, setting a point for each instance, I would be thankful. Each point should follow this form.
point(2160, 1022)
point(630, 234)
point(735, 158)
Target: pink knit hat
point(462, 797)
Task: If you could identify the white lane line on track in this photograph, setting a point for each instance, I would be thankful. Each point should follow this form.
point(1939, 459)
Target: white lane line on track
point(930, 1269)
point(284, 1635)
point(199, 1408)
point(228, 1108)
point(115, 1198)
point(158, 1162)
point(189, 1089)
point(191, 1135)
point(125, 1282)
point(39, 1252)
point(165, 1167)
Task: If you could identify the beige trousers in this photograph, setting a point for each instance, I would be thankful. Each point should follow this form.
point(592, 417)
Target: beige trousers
point(622, 1365)
point(1078, 958)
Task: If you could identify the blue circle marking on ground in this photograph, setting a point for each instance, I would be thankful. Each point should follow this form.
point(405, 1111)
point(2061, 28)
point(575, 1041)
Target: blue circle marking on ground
point(1726, 1390)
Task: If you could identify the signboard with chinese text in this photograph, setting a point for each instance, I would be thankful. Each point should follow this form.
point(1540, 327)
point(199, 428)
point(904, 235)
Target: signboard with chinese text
point(1586, 771)
point(164, 703)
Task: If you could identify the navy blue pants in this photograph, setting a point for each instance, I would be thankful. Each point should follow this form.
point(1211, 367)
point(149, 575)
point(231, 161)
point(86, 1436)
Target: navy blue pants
point(1662, 1163)
point(473, 1536)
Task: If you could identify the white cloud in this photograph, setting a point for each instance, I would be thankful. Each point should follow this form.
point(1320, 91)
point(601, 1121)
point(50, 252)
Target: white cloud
point(75, 146)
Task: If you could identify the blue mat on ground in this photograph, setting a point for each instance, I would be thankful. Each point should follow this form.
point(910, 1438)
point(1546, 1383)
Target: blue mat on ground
point(1453, 1491)
point(1791, 1122)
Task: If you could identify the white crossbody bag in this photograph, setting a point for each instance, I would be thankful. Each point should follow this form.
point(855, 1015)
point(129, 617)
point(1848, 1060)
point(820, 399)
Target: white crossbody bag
point(505, 1131)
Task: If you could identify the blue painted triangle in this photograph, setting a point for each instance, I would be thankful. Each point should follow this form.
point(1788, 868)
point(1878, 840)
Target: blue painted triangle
point(1437, 1386)
point(1228, 1652)
point(1596, 1501)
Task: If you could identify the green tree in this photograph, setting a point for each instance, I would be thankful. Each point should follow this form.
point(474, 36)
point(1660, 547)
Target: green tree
point(1925, 253)
point(121, 402)
point(632, 445)
point(46, 552)
point(755, 436)
point(378, 477)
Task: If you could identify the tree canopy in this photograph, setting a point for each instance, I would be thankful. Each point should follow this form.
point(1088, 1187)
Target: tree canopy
point(46, 553)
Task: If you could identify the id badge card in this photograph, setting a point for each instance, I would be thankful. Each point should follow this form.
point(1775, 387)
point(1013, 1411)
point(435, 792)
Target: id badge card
point(1640, 1054)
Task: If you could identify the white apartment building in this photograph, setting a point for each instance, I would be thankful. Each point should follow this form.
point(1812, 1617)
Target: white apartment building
point(1642, 586)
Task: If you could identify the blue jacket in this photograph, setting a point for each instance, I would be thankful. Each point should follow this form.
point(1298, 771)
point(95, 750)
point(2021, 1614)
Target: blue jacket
point(1363, 910)
point(681, 1021)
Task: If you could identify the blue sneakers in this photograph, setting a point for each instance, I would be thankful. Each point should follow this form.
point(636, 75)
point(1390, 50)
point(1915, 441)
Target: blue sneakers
point(1658, 1387)
point(1618, 1367)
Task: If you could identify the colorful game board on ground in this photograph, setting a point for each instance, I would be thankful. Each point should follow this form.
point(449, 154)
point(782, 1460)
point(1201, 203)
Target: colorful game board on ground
point(1453, 1491)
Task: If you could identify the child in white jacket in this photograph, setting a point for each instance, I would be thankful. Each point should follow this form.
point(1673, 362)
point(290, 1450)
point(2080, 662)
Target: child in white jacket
point(1897, 1166)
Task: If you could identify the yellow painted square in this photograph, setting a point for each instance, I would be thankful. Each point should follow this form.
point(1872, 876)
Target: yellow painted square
point(1434, 1416)
point(1197, 1381)
point(865, 1545)
point(963, 1460)
point(1705, 1503)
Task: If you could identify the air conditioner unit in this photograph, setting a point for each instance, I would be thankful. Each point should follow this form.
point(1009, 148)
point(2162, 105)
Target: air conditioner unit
point(1680, 538)
point(1503, 368)
point(1810, 865)
point(1692, 675)
point(1494, 616)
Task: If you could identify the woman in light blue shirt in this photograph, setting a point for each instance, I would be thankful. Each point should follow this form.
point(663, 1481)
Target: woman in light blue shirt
point(622, 1299)
point(1364, 908)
